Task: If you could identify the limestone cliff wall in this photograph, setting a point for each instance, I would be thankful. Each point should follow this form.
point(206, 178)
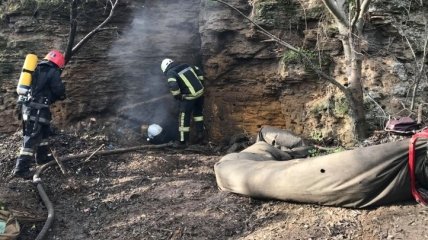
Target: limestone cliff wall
point(255, 81)
point(251, 81)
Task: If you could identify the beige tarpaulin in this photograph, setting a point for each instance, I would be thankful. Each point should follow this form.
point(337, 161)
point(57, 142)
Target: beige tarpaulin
point(363, 177)
point(9, 227)
point(294, 145)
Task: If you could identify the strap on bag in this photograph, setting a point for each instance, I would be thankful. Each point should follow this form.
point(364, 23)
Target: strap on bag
point(416, 194)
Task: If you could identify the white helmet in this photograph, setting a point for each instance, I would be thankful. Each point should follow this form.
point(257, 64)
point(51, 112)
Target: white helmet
point(153, 130)
point(165, 63)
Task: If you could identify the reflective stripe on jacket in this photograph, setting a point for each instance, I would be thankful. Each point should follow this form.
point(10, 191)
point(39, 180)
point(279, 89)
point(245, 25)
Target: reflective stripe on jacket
point(185, 80)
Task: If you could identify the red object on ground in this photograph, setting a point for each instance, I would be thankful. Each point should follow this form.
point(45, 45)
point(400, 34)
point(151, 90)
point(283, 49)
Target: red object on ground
point(418, 197)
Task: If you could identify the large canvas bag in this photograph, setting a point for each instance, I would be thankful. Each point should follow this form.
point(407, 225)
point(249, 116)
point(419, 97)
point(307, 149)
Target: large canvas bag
point(359, 178)
point(9, 226)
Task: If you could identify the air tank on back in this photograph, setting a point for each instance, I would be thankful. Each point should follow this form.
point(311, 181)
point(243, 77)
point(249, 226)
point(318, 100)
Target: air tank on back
point(25, 78)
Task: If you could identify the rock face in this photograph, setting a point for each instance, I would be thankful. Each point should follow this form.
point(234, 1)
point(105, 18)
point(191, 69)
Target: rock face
point(27, 27)
point(251, 81)
point(256, 82)
point(250, 86)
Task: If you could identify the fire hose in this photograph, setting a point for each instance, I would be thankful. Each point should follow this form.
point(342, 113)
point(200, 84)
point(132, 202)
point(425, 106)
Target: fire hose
point(46, 201)
point(38, 181)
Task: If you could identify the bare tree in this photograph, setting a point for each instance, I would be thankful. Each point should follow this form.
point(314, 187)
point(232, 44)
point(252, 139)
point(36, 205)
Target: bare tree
point(72, 49)
point(350, 22)
point(419, 63)
point(349, 18)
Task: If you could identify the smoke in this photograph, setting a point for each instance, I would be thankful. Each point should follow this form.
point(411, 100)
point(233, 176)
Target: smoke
point(160, 29)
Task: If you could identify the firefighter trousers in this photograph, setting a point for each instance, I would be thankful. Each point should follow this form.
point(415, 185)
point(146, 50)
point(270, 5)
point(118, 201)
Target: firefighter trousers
point(190, 109)
point(35, 145)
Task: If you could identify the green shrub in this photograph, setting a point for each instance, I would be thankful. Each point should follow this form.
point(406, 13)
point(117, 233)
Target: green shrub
point(320, 152)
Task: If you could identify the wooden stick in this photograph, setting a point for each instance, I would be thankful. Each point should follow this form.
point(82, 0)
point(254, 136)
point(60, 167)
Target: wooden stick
point(58, 162)
point(106, 152)
point(102, 145)
point(26, 216)
point(420, 108)
point(86, 160)
point(115, 151)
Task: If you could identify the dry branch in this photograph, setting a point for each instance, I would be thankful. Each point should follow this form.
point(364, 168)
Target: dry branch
point(115, 151)
point(58, 162)
point(420, 110)
point(106, 152)
point(22, 216)
point(95, 30)
point(87, 159)
point(70, 49)
point(102, 145)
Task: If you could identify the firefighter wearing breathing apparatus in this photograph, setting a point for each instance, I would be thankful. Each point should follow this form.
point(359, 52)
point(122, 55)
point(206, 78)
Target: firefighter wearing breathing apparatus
point(186, 85)
point(36, 94)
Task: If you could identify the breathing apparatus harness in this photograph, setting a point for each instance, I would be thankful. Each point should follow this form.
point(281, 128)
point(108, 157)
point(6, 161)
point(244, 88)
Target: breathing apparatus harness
point(31, 108)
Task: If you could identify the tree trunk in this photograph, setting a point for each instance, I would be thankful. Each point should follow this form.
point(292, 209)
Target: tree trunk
point(357, 114)
point(355, 96)
point(356, 89)
point(73, 30)
point(350, 23)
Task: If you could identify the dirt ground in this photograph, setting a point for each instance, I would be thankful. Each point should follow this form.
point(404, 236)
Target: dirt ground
point(172, 194)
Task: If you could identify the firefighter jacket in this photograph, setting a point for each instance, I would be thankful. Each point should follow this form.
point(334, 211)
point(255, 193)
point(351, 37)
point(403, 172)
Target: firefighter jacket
point(185, 81)
point(46, 88)
point(47, 84)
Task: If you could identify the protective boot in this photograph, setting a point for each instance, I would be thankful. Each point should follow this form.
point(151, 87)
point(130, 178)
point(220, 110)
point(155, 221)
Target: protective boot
point(43, 159)
point(200, 137)
point(180, 144)
point(42, 155)
point(22, 167)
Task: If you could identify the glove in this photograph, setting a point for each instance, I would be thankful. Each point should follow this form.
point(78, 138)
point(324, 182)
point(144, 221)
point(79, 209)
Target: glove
point(178, 97)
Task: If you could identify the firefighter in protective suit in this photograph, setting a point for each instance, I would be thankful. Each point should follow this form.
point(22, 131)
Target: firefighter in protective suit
point(186, 85)
point(46, 88)
point(160, 134)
